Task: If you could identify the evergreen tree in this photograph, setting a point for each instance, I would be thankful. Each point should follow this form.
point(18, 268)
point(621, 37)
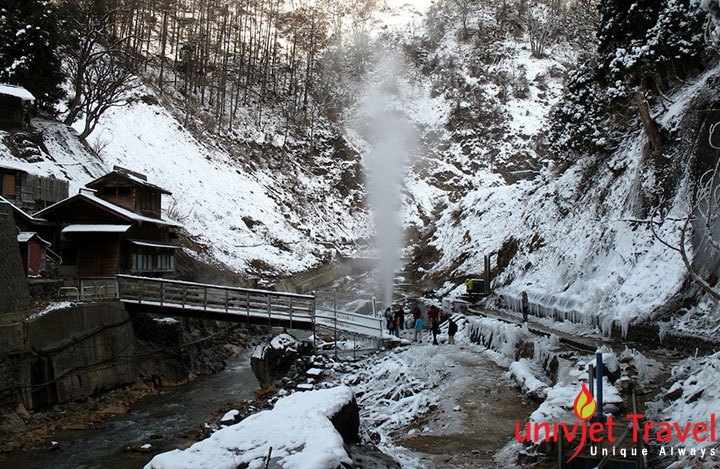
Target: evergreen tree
point(644, 47)
point(579, 122)
point(649, 43)
point(27, 49)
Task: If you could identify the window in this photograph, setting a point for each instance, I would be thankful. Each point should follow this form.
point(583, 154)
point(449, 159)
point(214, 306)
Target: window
point(8, 186)
point(142, 262)
point(166, 262)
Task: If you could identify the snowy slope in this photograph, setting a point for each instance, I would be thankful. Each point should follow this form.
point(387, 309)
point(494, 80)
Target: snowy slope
point(213, 195)
point(252, 221)
point(584, 249)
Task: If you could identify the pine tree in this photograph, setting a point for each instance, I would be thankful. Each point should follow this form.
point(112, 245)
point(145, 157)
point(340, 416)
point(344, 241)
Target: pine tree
point(579, 121)
point(27, 49)
point(649, 43)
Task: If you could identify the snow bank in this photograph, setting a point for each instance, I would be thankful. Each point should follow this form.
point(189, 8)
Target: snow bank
point(297, 433)
point(696, 383)
point(526, 378)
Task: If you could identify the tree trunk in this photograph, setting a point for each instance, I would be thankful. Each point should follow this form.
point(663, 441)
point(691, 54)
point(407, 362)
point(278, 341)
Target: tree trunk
point(651, 128)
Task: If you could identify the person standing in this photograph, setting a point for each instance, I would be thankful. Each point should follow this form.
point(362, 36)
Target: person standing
point(435, 330)
point(418, 329)
point(416, 312)
point(524, 305)
point(389, 320)
point(452, 329)
point(400, 318)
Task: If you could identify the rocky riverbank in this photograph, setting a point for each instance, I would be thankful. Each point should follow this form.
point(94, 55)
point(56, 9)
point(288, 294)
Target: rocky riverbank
point(168, 353)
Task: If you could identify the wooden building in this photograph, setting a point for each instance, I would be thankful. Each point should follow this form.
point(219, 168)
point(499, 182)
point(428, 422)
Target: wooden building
point(33, 251)
point(32, 239)
point(15, 106)
point(130, 190)
point(114, 226)
point(31, 192)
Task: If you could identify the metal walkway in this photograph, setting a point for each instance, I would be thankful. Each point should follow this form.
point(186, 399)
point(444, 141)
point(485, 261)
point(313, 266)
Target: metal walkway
point(252, 306)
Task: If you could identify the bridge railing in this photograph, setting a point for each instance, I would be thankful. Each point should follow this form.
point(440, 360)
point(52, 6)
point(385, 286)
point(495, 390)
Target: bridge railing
point(356, 323)
point(216, 298)
point(243, 302)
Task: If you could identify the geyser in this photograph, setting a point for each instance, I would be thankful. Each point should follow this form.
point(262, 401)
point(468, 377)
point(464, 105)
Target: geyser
point(391, 139)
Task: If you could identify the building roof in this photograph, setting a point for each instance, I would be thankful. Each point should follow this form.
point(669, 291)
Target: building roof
point(17, 91)
point(25, 236)
point(132, 177)
point(96, 228)
point(19, 212)
point(121, 212)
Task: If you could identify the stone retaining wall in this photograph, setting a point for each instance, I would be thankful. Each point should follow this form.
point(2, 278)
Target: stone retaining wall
point(14, 294)
point(75, 352)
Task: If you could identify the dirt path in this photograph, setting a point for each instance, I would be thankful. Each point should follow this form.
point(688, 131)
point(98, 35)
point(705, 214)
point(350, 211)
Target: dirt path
point(475, 418)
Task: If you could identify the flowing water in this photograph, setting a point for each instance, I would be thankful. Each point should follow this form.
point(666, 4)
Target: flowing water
point(157, 420)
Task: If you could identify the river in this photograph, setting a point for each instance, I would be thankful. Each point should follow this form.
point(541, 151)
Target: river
point(157, 420)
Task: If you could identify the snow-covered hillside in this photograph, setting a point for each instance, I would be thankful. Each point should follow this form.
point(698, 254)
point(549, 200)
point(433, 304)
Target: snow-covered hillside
point(264, 221)
point(268, 201)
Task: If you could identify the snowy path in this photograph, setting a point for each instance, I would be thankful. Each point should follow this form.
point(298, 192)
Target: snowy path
point(475, 415)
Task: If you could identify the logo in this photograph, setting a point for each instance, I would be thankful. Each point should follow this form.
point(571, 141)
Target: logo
point(601, 429)
point(585, 405)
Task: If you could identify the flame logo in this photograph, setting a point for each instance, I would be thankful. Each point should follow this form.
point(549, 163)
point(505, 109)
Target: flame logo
point(585, 404)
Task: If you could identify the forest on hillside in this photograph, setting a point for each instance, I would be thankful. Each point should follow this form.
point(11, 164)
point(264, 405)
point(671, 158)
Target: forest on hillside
point(305, 60)
point(222, 64)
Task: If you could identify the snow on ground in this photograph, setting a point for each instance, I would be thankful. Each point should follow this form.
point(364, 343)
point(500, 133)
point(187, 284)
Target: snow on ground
point(696, 389)
point(297, 433)
point(395, 389)
point(211, 196)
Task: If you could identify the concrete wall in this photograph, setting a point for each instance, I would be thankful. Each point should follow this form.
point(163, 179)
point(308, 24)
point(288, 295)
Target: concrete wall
point(310, 280)
point(14, 294)
point(76, 352)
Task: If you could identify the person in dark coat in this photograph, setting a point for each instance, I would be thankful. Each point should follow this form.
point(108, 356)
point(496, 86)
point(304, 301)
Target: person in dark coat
point(435, 330)
point(416, 312)
point(389, 321)
point(524, 305)
point(452, 329)
point(400, 318)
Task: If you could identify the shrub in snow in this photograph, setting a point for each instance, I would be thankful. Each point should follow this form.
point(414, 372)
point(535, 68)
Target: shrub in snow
point(695, 392)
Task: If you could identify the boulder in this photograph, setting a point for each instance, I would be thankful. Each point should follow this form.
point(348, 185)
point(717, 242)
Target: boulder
point(347, 421)
point(273, 359)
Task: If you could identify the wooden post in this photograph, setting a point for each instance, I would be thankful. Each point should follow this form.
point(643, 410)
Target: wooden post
point(290, 310)
point(247, 307)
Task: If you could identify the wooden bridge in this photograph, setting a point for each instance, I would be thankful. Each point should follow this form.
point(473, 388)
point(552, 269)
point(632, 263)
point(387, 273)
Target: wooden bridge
point(252, 306)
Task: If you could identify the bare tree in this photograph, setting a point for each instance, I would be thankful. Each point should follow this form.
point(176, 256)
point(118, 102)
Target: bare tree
point(108, 83)
point(91, 52)
point(703, 217)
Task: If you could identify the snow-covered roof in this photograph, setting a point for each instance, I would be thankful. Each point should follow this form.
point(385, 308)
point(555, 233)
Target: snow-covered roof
point(96, 228)
point(154, 244)
point(131, 177)
point(17, 91)
point(120, 211)
point(21, 212)
point(25, 236)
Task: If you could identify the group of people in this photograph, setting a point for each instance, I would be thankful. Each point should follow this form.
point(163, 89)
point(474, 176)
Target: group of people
point(396, 322)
